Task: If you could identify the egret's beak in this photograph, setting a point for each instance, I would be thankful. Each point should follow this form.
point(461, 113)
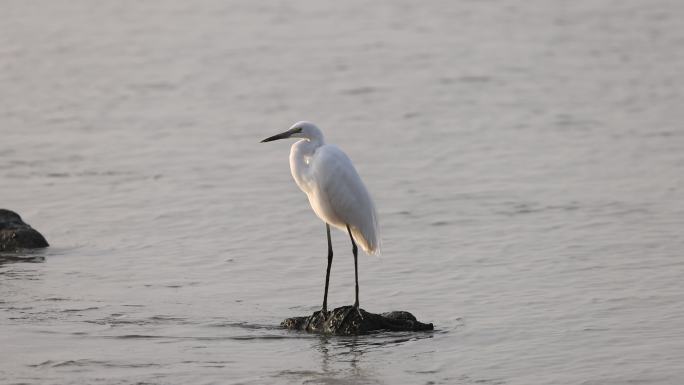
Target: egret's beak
point(283, 135)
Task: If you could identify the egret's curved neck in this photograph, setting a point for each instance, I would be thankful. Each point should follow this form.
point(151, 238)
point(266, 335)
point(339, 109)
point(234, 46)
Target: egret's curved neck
point(300, 159)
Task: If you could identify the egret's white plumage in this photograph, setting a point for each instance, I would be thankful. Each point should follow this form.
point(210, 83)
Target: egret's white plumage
point(335, 191)
point(334, 188)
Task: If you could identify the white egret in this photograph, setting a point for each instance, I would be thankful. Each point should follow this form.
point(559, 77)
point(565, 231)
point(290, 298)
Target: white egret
point(335, 191)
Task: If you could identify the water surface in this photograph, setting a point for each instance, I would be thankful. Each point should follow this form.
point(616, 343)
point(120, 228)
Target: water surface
point(526, 157)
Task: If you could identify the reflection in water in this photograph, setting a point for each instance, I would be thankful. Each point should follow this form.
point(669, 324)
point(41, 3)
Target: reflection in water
point(28, 256)
point(343, 358)
point(340, 354)
point(14, 267)
point(6, 259)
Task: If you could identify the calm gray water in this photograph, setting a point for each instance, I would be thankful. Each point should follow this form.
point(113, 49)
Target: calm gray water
point(526, 157)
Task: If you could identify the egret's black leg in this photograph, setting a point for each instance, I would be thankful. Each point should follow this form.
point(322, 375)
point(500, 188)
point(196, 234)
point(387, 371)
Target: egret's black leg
point(355, 250)
point(327, 273)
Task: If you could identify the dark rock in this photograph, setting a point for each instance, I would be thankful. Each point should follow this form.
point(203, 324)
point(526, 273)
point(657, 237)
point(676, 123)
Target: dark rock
point(346, 320)
point(15, 234)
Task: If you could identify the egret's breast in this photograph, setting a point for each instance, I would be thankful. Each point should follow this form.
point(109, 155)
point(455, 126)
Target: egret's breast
point(323, 210)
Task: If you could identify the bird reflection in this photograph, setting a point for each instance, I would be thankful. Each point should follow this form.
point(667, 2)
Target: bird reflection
point(345, 359)
point(342, 361)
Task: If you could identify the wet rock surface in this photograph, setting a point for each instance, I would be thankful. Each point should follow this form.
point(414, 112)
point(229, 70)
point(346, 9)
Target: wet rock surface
point(347, 320)
point(16, 234)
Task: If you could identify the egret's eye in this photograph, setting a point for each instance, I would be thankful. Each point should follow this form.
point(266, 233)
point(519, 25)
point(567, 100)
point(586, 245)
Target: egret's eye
point(297, 130)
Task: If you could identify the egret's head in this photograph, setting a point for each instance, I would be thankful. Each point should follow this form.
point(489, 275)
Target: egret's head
point(306, 130)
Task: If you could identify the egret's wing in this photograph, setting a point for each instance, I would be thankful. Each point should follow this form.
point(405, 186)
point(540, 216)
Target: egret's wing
point(342, 190)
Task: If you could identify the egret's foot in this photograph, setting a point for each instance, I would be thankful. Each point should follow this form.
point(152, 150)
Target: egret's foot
point(356, 306)
point(349, 311)
point(358, 310)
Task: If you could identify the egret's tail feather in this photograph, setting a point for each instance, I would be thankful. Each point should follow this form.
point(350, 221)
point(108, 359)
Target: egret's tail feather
point(368, 240)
